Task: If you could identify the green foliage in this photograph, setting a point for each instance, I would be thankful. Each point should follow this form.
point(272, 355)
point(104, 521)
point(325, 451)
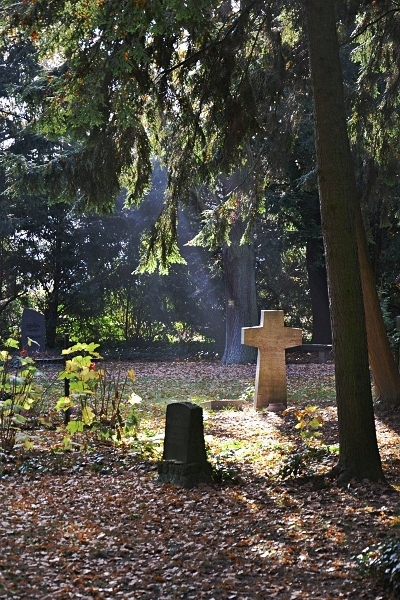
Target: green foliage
point(89, 94)
point(224, 467)
point(248, 393)
point(383, 562)
point(115, 90)
point(159, 247)
point(215, 88)
point(309, 420)
point(106, 403)
point(302, 463)
point(311, 450)
point(18, 393)
point(88, 349)
point(121, 84)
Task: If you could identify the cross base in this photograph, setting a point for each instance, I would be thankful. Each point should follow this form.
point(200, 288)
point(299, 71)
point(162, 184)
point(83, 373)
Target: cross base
point(276, 408)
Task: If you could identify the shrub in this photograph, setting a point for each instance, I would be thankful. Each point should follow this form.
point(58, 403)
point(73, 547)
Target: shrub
point(311, 449)
point(383, 561)
point(18, 392)
point(98, 396)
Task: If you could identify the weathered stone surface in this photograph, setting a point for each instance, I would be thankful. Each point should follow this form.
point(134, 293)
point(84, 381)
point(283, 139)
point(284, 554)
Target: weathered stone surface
point(271, 338)
point(221, 404)
point(184, 458)
point(185, 475)
point(33, 328)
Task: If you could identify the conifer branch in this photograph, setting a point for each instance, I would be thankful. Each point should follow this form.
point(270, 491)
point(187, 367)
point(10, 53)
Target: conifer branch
point(368, 25)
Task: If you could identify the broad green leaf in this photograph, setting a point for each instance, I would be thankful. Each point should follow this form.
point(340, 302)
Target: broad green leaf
point(63, 403)
point(88, 375)
point(88, 415)
point(67, 443)
point(315, 423)
point(77, 387)
point(75, 427)
point(28, 403)
point(92, 347)
point(64, 375)
point(28, 445)
point(79, 347)
point(11, 343)
point(18, 419)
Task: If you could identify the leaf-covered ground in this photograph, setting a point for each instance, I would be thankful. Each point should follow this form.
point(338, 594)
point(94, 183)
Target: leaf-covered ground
point(99, 526)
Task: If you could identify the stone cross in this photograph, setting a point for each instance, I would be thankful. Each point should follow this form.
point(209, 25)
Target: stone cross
point(271, 338)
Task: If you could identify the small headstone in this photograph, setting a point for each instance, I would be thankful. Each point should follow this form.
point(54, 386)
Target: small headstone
point(224, 404)
point(271, 338)
point(33, 328)
point(184, 459)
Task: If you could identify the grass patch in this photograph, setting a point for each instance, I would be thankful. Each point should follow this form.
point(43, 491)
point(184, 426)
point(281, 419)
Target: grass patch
point(302, 392)
point(245, 438)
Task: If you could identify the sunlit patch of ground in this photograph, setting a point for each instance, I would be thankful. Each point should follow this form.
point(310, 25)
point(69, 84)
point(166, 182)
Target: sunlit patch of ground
point(98, 525)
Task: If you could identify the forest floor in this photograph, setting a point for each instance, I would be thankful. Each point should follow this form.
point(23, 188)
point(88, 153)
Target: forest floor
point(98, 525)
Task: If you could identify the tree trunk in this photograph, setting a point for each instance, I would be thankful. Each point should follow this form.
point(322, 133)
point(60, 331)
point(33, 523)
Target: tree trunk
point(51, 319)
point(384, 370)
point(359, 455)
point(317, 281)
point(51, 310)
point(240, 296)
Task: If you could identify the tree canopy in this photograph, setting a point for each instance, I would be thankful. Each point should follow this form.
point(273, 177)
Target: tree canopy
point(215, 88)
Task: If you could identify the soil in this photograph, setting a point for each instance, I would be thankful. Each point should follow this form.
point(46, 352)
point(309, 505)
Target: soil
point(100, 526)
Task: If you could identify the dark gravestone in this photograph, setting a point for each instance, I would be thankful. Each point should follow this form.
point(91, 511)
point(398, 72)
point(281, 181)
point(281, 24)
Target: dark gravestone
point(33, 328)
point(184, 459)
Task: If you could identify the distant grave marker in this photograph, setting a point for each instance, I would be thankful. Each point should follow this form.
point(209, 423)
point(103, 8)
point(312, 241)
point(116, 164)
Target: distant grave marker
point(33, 327)
point(184, 459)
point(271, 338)
point(223, 403)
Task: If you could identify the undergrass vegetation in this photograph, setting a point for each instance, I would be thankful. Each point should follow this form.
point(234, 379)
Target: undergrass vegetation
point(323, 392)
point(382, 562)
point(115, 417)
point(164, 390)
point(298, 523)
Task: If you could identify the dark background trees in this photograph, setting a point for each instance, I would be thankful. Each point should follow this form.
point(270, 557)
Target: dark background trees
point(214, 90)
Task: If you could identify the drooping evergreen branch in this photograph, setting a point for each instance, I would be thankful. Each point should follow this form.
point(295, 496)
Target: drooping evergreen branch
point(365, 28)
point(218, 41)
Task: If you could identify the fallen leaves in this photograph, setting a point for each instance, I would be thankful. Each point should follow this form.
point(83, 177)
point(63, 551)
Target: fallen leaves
point(99, 526)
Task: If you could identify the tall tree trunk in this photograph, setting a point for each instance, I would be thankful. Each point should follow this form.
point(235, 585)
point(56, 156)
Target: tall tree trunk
point(51, 320)
point(317, 281)
point(240, 295)
point(359, 455)
point(384, 370)
point(51, 310)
